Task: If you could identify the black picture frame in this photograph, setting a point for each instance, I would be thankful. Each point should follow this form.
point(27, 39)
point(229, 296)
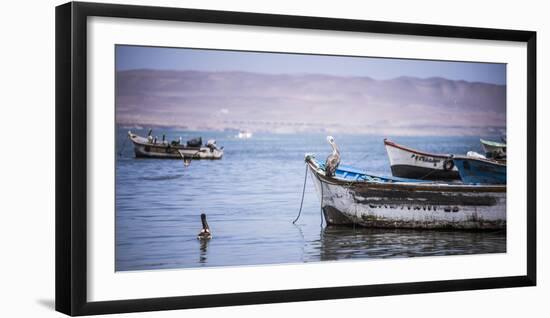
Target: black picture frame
point(71, 157)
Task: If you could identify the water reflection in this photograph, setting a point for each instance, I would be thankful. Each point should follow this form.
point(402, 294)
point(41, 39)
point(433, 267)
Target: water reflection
point(337, 242)
point(203, 255)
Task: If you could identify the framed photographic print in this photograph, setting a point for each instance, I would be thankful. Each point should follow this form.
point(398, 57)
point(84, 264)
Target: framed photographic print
point(211, 158)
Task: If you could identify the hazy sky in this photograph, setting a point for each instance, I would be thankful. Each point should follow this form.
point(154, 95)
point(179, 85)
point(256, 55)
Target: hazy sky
point(139, 57)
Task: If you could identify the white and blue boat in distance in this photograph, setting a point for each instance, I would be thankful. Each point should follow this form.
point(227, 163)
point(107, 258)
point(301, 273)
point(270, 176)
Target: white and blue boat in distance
point(354, 197)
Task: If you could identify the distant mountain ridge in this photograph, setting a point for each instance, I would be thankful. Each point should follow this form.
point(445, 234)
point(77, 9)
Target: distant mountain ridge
point(289, 103)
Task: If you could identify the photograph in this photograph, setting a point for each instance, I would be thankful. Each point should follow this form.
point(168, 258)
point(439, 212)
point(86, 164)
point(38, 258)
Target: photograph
point(250, 158)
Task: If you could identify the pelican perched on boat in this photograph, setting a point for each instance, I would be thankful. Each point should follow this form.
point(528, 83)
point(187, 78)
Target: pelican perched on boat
point(205, 233)
point(333, 160)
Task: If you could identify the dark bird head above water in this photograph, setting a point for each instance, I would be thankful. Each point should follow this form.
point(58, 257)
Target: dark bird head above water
point(205, 233)
point(333, 160)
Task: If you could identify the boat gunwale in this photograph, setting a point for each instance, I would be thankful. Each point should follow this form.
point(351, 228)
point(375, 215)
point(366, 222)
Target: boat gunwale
point(398, 146)
point(489, 161)
point(400, 185)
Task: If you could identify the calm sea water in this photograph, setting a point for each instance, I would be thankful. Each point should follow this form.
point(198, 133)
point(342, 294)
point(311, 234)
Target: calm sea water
point(252, 196)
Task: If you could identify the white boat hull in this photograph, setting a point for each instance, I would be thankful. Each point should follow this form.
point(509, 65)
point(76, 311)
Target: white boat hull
point(409, 163)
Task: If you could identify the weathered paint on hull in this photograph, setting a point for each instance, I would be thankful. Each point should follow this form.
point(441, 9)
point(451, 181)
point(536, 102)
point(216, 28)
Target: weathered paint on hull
point(141, 152)
point(409, 163)
point(396, 206)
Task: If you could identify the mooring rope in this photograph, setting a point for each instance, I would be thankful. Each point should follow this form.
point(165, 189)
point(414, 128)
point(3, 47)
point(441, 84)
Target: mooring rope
point(321, 185)
point(303, 194)
point(427, 174)
point(185, 163)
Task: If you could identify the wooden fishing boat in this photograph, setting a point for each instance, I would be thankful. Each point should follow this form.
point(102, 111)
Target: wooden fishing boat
point(151, 148)
point(410, 163)
point(354, 197)
point(493, 149)
point(475, 170)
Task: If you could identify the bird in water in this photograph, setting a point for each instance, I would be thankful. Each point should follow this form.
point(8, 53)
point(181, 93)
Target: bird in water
point(333, 160)
point(205, 233)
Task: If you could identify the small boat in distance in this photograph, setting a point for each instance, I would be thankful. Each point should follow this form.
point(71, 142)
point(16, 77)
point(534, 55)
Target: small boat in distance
point(244, 134)
point(354, 197)
point(410, 163)
point(493, 149)
point(150, 147)
point(475, 170)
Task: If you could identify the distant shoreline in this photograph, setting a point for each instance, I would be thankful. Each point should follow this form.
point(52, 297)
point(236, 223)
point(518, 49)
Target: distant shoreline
point(496, 131)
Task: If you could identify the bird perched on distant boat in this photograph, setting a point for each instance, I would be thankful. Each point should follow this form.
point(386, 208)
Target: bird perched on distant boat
point(205, 233)
point(333, 160)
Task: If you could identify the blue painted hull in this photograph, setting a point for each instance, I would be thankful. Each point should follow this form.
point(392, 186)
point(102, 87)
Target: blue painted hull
point(478, 171)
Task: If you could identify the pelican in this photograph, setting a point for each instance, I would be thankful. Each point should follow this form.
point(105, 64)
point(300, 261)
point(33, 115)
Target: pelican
point(205, 233)
point(333, 160)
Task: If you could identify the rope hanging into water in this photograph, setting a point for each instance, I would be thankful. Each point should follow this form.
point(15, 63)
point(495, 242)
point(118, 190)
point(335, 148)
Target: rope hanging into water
point(303, 194)
point(187, 162)
point(321, 185)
